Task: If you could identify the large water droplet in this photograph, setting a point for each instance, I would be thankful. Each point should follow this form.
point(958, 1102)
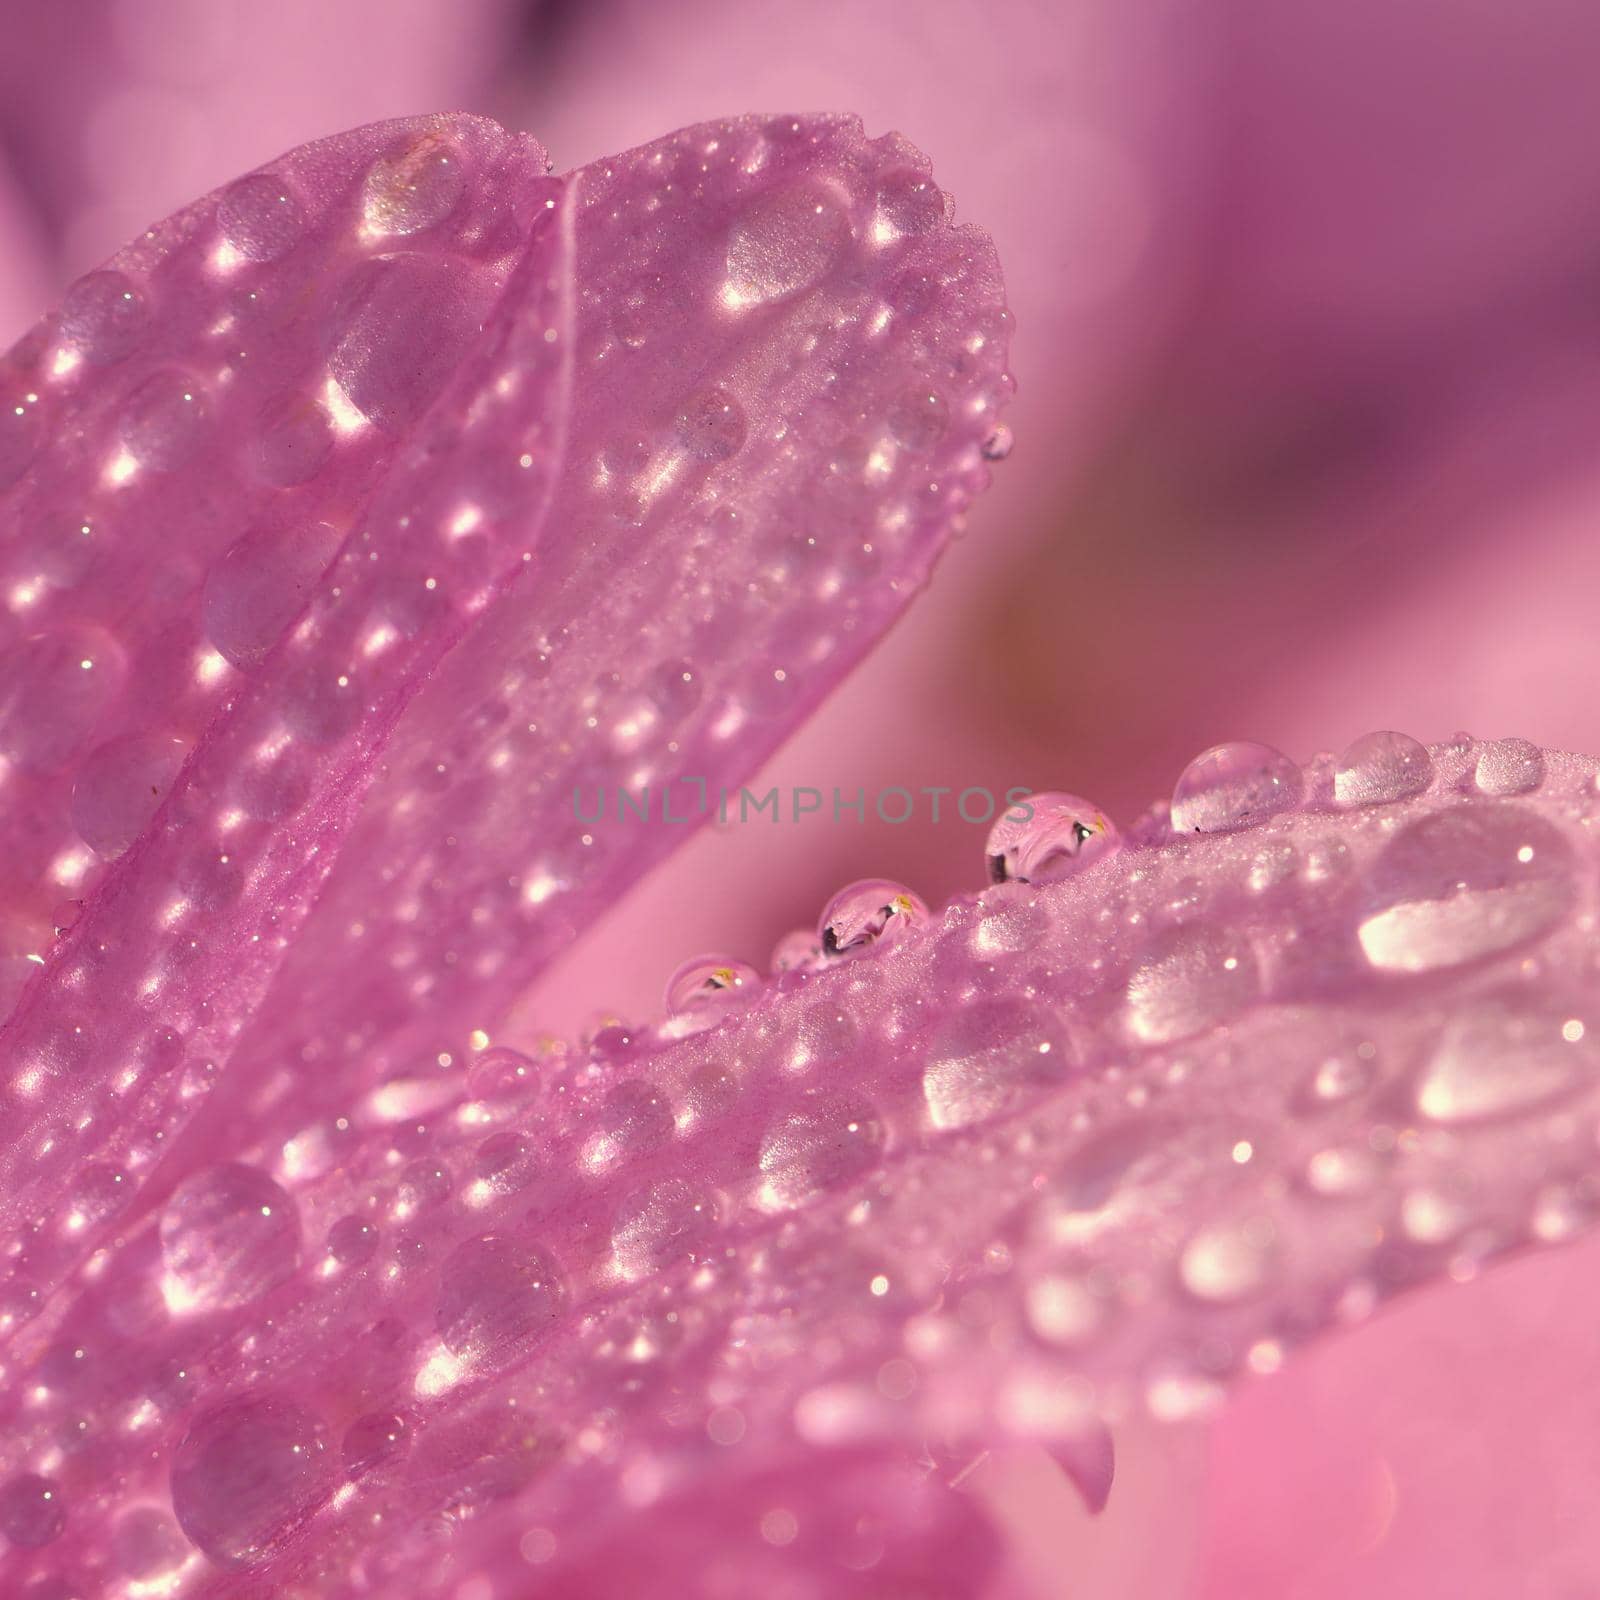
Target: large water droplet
point(413, 189)
point(260, 217)
point(655, 1227)
point(248, 1475)
point(782, 243)
point(1380, 768)
point(375, 1440)
point(822, 1147)
point(166, 420)
point(103, 317)
point(498, 1295)
point(989, 1057)
point(1498, 1060)
point(32, 1512)
point(1463, 884)
point(909, 202)
point(710, 985)
point(1190, 979)
point(1508, 766)
point(1233, 786)
point(258, 587)
point(120, 786)
point(228, 1235)
point(54, 689)
point(1060, 835)
point(292, 440)
point(869, 911)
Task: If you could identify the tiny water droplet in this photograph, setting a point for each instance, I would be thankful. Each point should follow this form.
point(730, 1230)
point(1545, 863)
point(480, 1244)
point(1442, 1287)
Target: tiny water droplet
point(103, 317)
point(1190, 979)
point(660, 1225)
point(918, 420)
point(1497, 1060)
point(909, 202)
point(869, 911)
point(820, 1147)
point(498, 1295)
point(32, 1511)
point(989, 1057)
point(352, 1241)
point(378, 1439)
point(1234, 786)
point(260, 217)
point(166, 420)
point(1061, 836)
point(998, 445)
point(1380, 768)
point(711, 424)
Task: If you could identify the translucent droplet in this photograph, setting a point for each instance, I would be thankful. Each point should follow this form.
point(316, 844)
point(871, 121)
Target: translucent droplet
point(292, 440)
point(54, 689)
point(397, 331)
point(634, 1118)
point(1188, 980)
point(260, 585)
point(1380, 768)
point(247, 1476)
point(352, 1241)
point(1496, 1060)
point(229, 1235)
point(1463, 884)
point(1508, 766)
point(909, 202)
point(424, 1184)
point(1342, 1171)
point(505, 1162)
point(103, 317)
point(32, 1512)
point(119, 787)
point(1233, 786)
point(166, 420)
point(1227, 1261)
point(376, 1440)
point(498, 1295)
point(260, 217)
point(918, 420)
point(796, 951)
point(1060, 835)
point(411, 190)
point(988, 1058)
point(999, 444)
point(869, 911)
point(502, 1074)
point(711, 984)
point(712, 424)
point(822, 1147)
point(660, 1225)
point(782, 243)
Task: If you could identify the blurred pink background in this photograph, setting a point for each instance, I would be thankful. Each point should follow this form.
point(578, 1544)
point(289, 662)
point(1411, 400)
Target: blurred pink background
point(1308, 299)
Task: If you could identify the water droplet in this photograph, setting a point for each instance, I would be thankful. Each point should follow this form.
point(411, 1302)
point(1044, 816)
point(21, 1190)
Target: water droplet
point(505, 1162)
point(1227, 1261)
point(909, 202)
point(19, 438)
point(660, 1225)
point(1380, 768)
point(352, 1241)
point(32, 1512)
point(378, 1439)
point(989, 1057)
point(1429, 1216)
point(869, 911)
point(796, 951)
point(1233, 786)
point(712, 424)
point(1496, 1060)
point(1188, 980)
point(1060, 836)
point(782, 243)
point(413, 189)
point(1463, 884)
point(260, 584)
point(103, 317)
point(1508, 766)
point(1342, 1171)
point(822, 1147)
point(228, 1235)
point(501, 1074)
point(54, 689)
point(119, 787)
point(247, 1476)
point(498, 1295)
point(918, 420)
point(634, 1118)
point(293, 439)
point(260, 217)
point(711, 984)
point(398, 330)
point(165, 420)
point(999, 444)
